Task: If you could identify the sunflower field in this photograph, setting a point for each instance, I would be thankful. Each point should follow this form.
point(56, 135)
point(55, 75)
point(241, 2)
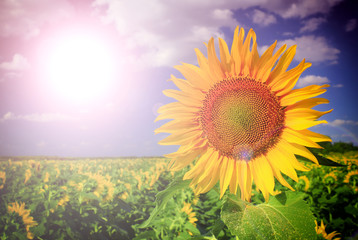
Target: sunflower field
point(138, 198)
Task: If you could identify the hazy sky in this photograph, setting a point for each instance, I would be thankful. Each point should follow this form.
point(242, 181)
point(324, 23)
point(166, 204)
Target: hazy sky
point(131, 47)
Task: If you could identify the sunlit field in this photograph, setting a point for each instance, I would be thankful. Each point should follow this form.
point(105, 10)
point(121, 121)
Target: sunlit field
point(63, 198)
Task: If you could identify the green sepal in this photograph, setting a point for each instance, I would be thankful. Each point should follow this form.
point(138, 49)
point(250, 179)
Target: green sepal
point(164, 196)
point(322, 160)
point(285, 216)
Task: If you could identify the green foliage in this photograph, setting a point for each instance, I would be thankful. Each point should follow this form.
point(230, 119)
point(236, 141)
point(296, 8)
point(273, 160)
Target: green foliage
point(146, 201)
point(285, 216)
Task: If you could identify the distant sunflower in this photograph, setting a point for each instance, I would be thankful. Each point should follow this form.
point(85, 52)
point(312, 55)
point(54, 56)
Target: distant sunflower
point(3, 179)
point(240, 119)
point(321, 230)
point(25, 214)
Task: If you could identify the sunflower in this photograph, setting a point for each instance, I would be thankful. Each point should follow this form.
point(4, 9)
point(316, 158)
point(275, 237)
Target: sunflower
point(25, 214)
point(189, 211)
point(349, 175)
point(321, 230)
point(239, 118)
point(306, 182)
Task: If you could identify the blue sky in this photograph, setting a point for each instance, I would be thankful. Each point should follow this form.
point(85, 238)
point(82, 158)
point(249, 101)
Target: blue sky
point(144, 40)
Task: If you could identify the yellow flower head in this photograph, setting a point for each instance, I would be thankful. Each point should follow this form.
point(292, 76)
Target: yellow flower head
point(306, 181)
point(240, 118)
point(330, 178)
point(349, 175)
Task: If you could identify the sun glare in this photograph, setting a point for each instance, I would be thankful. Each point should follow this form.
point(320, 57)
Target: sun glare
point(80, 67)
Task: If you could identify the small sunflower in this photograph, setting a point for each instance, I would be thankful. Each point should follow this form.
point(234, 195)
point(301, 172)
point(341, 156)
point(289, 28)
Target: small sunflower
point(321, 230)
point(306, 181)
point(189, 211)
point(27, 175)
point(349, 175)
point(240, 119)
point(330, 178)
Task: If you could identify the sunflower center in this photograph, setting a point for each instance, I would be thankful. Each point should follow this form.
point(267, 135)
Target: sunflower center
point(241, 118)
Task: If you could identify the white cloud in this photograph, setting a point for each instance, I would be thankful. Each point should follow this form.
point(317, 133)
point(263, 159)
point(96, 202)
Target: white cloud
point(314, 49)
point(312, 24)
point(14, 68)
point(222, 14)
point(36, 117)
point(25, 18)
point(338, 85)
point(311, 79)
point(340, 122)
point(164, 33)
point(18, 63)
point(261, 18)
point(351, 25)
point(299, 8)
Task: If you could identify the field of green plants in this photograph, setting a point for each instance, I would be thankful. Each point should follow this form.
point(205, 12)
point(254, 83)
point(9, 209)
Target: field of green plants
point(53, 198)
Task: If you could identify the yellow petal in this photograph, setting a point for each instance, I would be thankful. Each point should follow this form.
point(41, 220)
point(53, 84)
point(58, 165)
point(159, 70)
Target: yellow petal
point(246, 53)
point(282, 64)
point(304, 113)
point(292, 79)
point(315, 136)
point(267, 67)
point(279, 161)
point(214, 63)
point(235, 178)
point(284, 146)
point(308, 103)
point(182, 161)
point(202, 60)
point(210, 164)
point(196, 76)
point(284, 79)
point(226, 172)
point(278, 175)
point(180, 139)
point(176, 126)
point(302, 151)
point(185, 116)
point(186, 99)
point(185, 86)
point(300, 124)
point(199, 165)
point(212, 179)
point(237, 48)
point(263, 175)
point(293, 136)
point(225, 56)
point(301, 94)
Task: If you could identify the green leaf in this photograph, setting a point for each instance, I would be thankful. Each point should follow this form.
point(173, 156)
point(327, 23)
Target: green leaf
point(322, 160)
point(146, 235)
point(164, 196)
point(285, 216)
point(218, 227)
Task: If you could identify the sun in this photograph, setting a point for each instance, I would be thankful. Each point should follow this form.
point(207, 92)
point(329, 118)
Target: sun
point(80, 67)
